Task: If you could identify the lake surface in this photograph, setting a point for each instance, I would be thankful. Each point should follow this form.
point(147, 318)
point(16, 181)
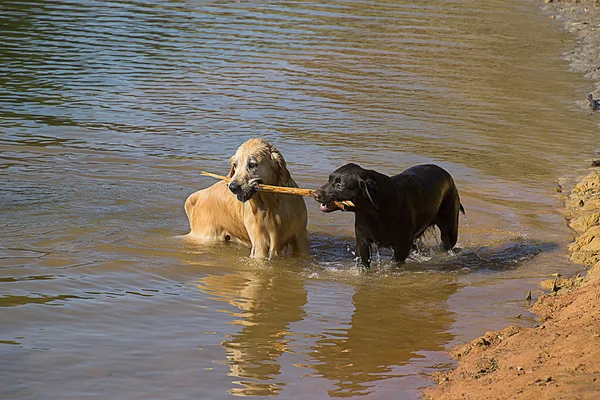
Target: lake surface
point(109, 110)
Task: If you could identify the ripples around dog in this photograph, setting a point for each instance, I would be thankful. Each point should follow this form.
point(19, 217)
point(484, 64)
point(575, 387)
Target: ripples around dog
point(337, 259)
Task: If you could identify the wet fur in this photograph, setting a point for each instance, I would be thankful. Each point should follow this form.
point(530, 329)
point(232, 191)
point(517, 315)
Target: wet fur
point(269, 223)
point(395, 211)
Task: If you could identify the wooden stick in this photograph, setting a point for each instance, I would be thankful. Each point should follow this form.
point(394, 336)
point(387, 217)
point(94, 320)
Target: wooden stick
point(282, 190)
point(269, 188)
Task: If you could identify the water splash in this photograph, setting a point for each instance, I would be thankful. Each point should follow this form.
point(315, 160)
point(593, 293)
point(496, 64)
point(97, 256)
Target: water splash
point(375, 249)
point(469, 230)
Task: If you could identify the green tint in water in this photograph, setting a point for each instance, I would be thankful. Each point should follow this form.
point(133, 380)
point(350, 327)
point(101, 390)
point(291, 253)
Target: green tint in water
point(109, 110)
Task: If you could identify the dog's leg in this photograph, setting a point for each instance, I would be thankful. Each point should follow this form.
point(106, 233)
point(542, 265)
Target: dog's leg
point(401, 251)
point(260, 247)
point(260, 251)
point(363, 251)
point(301, 245)
point(447, 220)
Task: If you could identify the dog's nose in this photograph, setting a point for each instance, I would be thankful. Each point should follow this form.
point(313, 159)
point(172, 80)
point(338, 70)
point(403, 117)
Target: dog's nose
point(234, 186)
point(317, 195)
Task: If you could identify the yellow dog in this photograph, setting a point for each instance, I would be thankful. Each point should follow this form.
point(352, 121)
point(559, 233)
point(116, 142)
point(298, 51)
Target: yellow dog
point(269, 223)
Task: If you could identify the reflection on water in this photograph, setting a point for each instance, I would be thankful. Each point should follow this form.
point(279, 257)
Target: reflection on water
point(352, 347)
point(108, 111)
point(369, 348)
point(267, 306)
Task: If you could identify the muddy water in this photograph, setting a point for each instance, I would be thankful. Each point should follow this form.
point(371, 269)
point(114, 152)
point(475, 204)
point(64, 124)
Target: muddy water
point(109, 110)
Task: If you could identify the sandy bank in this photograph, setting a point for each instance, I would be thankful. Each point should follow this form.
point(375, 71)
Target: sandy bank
point(560, 358)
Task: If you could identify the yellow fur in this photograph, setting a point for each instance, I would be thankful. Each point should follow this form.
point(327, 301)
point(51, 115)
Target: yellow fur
point(268, 222)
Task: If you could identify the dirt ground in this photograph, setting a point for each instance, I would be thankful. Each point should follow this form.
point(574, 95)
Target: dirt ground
point(560, 357)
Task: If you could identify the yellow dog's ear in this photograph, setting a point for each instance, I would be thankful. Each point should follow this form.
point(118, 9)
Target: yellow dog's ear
point(284, 174)
point(232, 171)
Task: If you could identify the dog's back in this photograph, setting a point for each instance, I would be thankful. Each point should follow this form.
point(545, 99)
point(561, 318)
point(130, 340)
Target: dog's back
point(214, 214)
point(427, 176)
point(433, 199)
point(428, 183)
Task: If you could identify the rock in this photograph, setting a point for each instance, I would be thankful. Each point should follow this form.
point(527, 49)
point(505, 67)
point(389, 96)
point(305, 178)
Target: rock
point(583, 200)
point(583, 223)
point(594, 105)
point(584, 206)
point(593, 274)
point(589, 184)
point(585, 258)
point(588, 241)
point(586, 248)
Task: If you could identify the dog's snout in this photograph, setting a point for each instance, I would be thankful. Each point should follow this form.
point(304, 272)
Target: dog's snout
point(235, 187)
point(318, 194)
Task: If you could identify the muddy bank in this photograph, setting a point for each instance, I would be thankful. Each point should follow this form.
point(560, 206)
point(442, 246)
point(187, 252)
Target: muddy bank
point(581, 18)
point(560, 357)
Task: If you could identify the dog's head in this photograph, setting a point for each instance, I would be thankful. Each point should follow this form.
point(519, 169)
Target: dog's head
point(349, 182)
point(256, 162)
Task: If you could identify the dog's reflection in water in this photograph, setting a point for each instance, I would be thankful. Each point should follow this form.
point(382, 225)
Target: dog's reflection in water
point(351, 330)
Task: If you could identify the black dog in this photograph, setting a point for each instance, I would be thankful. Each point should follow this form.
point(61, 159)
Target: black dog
point(394, 211)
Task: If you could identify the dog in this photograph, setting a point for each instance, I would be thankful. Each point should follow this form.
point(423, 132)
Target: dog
point(268, 223)
point(394, 211)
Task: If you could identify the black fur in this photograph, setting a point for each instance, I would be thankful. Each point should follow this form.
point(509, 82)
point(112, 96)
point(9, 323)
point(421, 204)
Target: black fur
point(394, 211)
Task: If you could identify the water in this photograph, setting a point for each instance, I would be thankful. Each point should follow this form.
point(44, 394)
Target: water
point(109, 110)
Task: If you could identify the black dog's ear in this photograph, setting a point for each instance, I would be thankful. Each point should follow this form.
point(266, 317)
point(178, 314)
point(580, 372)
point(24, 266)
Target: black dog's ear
point(369, 188)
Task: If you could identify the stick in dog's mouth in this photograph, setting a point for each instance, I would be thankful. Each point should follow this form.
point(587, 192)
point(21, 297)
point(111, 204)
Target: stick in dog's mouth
point(257, 183)
point(330, 207)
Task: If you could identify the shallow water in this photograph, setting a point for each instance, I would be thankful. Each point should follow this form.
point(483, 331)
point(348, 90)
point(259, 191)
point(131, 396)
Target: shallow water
point(110, 109)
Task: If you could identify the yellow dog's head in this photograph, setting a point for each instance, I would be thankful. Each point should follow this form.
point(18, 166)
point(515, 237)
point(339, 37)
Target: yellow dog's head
point(256, 162)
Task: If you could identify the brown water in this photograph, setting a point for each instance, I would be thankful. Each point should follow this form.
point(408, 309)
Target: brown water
point(110, 109)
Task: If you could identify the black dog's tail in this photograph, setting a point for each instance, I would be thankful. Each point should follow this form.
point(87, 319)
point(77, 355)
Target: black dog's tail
point(462, 209)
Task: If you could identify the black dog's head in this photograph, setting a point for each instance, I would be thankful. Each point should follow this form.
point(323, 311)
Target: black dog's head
point(349, 182)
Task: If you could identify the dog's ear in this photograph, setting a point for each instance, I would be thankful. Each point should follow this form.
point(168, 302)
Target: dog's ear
point(284, 174)
point(369, 188)
point(232, 170)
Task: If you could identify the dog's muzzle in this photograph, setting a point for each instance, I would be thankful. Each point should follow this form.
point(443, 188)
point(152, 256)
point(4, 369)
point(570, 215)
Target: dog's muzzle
point(326, 204)
point(244, 192)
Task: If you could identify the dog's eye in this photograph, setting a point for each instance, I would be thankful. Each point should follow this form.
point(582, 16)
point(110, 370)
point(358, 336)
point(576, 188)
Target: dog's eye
point(339, 186)
point(252, 164)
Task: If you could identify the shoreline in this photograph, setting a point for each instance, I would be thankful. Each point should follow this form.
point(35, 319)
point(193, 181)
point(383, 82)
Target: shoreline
point(559, 357)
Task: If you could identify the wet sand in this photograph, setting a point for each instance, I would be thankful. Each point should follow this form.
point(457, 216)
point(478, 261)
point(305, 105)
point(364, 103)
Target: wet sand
point(560, 357)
